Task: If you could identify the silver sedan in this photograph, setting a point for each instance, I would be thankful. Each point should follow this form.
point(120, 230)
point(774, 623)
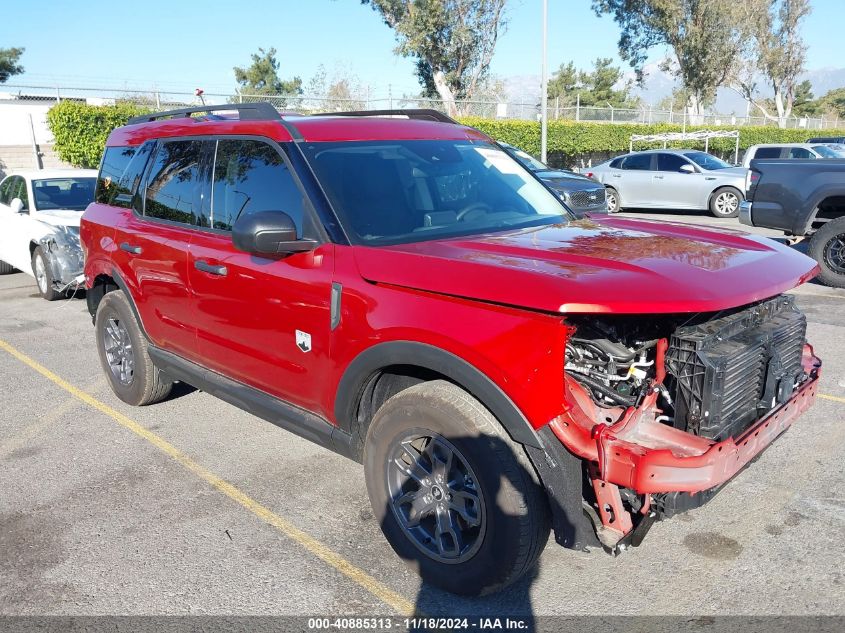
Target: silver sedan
point(672, 179)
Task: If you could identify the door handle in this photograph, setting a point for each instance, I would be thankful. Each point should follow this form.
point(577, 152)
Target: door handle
point(617, 175)
point(658, 177)
point(135, 250)
point(710, 178)
point(210, 268)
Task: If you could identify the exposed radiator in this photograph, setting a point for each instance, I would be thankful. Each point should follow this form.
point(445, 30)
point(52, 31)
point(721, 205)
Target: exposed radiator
point(728, 371)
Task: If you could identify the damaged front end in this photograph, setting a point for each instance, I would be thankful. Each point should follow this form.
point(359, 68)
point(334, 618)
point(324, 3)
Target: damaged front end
point(64, 256)
point(664, 410)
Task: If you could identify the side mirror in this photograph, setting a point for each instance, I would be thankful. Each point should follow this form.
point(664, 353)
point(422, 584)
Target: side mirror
point(686, 169)
point(17, 206)
point(269, 232)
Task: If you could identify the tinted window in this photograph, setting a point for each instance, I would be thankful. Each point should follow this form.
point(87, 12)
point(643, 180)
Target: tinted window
point(250, 176)
point(63, 193)
point(5, 190)
point(670, 162)
point(638, 162)
point(115, 160)
point(767, 152)
point(616, 162)
point(174, 189)
point(799, 152)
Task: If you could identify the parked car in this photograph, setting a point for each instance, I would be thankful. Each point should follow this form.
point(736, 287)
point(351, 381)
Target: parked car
point(39, 226)
point(839, 140)
point(804, 199)
point(581, 194)
point(672, 179)
point(790, 150)
point(406, 294)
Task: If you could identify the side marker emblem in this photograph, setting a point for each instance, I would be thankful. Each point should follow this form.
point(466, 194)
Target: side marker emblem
point(303, 341)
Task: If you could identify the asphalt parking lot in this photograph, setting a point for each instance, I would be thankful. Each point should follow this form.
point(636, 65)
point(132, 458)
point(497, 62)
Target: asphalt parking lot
point(194, 507)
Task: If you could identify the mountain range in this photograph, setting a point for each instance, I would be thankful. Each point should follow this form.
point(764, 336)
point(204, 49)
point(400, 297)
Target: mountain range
point(658, 84)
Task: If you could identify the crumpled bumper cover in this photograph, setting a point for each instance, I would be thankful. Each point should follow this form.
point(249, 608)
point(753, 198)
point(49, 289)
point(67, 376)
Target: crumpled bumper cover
point(649, 457)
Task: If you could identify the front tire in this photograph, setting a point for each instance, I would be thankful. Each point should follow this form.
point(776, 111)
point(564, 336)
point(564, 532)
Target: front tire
point(724, 203)
point(455, 497)
point(124, 355)
point(612, 197)
point(827, 247)
point(44, 275)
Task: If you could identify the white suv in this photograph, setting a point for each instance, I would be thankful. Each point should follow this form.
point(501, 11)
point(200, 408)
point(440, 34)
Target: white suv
point(791, 150)
point(39, 226)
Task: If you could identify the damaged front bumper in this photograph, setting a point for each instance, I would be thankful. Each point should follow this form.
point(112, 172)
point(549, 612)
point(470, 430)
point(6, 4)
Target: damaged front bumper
point(638, 456)
point(64, 256)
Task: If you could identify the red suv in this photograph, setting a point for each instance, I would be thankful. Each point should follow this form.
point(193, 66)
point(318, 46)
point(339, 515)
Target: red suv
point(400, 290)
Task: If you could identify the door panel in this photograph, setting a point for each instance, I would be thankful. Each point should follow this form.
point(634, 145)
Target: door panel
point(152, 249)
point(247, 318)
point(635, 183)
point(249, 307)
point(152, 258)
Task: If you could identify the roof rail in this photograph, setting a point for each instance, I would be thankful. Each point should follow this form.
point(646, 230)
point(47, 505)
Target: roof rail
point(259, 111)
point(423, 114)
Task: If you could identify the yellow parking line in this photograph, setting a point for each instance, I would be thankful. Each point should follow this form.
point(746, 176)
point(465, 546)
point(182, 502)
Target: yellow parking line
point(834, 398)
point(318, 549)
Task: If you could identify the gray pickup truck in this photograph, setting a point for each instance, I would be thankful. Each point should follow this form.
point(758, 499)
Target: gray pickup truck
point(803, 198)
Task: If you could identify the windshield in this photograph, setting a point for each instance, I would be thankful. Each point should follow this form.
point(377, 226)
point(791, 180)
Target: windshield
point(829, 151)
point(391, 192)
point(63, 193)
point(706, 161)
point(527, 159)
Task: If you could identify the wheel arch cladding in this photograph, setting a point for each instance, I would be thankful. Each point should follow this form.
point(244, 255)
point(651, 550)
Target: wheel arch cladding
point(428, 362)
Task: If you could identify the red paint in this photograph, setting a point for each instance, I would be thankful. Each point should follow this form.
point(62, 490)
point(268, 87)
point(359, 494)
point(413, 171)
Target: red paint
point(596, 266)
point(647, 456)
point(496, 301)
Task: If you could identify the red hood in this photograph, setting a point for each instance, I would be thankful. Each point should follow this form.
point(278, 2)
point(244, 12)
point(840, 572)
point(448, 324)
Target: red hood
point(612, 265)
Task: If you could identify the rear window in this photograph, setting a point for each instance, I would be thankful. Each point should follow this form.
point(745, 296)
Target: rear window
point(638, 162)
point(767, 152)
point(115, 161)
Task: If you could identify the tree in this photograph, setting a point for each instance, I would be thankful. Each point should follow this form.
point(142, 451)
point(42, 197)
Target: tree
point(452, 42)
point(564, 84)
point(777, 55)
point(596, 88)
point(9, 63)
point(704, 35)
point(262, 76)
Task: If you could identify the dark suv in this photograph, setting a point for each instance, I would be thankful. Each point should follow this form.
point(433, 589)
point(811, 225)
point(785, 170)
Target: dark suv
point(400, 290)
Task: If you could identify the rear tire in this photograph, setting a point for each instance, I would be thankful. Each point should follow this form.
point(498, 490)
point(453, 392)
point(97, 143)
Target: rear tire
point(827, 247)
point(724, 203)
point(455, 497)
point(124, 353)
point(43, 275)
point(612, 197)
point(6, 269)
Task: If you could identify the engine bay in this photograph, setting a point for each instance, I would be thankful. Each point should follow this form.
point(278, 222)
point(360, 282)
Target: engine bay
point(723, 370)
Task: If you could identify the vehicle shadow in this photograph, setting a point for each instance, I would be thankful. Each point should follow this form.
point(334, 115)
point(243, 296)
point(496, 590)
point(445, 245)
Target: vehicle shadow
point(501, 520)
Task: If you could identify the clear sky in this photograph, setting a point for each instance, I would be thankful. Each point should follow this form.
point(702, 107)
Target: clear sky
point(185, 45)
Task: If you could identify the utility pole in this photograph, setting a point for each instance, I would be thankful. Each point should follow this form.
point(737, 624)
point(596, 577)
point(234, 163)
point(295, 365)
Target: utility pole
point(544, 123)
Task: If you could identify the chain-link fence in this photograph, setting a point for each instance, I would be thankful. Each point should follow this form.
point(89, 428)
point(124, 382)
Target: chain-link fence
point(512, 109)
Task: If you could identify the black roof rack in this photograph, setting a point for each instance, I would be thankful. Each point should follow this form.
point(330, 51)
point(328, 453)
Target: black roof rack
point(260, 111)
point(423, 114)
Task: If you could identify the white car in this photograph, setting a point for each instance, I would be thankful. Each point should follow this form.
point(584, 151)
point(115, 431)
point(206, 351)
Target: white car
point(39, 226)
point(792, 150)
point(671, 179)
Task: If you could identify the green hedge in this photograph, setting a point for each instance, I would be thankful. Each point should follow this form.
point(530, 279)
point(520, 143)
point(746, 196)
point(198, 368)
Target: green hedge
point(569, 140)
point(81, 130)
